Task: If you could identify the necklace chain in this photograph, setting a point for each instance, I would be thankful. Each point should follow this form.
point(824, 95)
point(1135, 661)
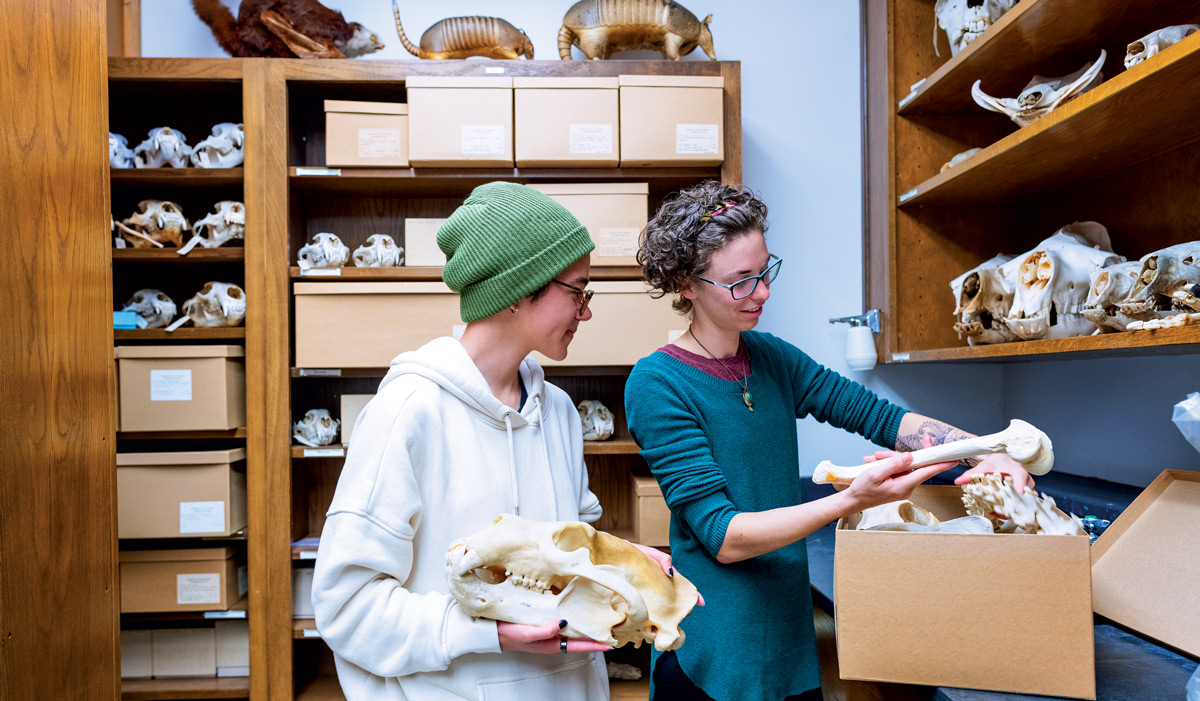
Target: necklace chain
point(747, 398)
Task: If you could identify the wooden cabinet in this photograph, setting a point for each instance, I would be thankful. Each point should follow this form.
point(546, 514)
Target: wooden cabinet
point(1125, 154)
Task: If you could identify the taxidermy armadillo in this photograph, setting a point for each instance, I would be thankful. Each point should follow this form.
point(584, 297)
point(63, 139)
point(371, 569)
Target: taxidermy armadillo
point(464, 37)
point(601, 27)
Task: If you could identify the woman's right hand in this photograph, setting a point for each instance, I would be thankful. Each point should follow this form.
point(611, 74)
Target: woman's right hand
point(891, 480)
point(542, 639)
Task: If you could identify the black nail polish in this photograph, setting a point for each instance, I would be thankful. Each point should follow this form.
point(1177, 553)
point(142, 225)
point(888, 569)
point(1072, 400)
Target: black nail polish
point(670, 571)
point(562, 624)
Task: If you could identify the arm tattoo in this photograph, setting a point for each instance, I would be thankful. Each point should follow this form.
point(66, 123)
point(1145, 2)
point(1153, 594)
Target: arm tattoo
point(939, 433)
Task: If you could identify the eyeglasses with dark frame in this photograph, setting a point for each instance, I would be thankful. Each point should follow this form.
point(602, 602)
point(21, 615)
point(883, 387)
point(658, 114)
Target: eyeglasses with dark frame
point(745, 287)
point(584, 297)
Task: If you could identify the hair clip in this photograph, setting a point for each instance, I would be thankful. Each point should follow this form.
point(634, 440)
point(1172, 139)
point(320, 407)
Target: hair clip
point(729, 204)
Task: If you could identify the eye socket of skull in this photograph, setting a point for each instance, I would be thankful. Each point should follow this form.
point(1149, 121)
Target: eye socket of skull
point(207, 289)
point(235, 292)
point(162, 297)
point(1136, 48)
point(574, 536)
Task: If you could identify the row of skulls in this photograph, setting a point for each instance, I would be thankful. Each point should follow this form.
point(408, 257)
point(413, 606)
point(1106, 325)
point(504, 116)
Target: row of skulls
point(1073, 284)
point(326, 251)
point(165, 146)
point(161, 222)
point(216, 304)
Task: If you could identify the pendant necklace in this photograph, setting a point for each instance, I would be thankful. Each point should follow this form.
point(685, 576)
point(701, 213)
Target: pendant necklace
point(747, 398)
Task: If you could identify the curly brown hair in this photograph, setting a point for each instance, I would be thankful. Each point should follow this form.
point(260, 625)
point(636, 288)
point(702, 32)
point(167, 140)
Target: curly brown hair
point(678, 244)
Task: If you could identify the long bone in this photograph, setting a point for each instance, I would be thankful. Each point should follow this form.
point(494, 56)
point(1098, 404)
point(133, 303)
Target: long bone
point(1021, 440)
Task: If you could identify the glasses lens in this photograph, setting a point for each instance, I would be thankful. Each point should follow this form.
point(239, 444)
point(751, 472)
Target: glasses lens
point(585, 298)
point(744, 288)
point(773, 271)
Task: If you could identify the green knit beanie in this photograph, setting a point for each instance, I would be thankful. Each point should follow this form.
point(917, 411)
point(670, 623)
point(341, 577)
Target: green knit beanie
point(505, 242)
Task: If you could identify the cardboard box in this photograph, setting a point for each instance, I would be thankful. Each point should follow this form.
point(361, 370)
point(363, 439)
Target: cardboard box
point(366, 324)
point(233, 648)
point(182, 388)
point(352, 406)
point(614, 213)
point(1144, 566)
point(420, 242)
point(302, 579)
point(366, 133)
point(137, 656)
point(672, 120)
point(184, 652)
point(567, 122)
point(993, 611)
point(460, 121)
point(651, 517)
point(627, 324)
point(193, 579)
point(181, 494)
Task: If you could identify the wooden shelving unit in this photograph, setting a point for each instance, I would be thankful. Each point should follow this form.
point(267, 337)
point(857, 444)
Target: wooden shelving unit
point(186, 435)
point(434, 274)
point(192, 177)
point(170, 689)
point(184, 334)
point(169, 256)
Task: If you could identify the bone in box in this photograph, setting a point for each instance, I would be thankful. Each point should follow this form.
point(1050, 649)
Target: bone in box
point(182, 388)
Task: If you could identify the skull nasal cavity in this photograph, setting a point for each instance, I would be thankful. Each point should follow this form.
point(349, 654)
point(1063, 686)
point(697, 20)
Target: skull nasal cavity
point(974, 3)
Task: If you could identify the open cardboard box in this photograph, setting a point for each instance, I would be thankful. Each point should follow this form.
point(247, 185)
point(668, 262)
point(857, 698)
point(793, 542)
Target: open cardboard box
point(992, 611)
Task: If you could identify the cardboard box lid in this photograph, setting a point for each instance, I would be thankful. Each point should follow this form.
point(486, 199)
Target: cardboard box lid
point(177, 555)
point(439, 81)
point(371, 288)
point(672, 81)
point(626, 287)
point(182, 457)
point(174, 351)
point(646, 486)
point(566, 83)
point(592, 188)
point(1146, 565)
point(366, 107)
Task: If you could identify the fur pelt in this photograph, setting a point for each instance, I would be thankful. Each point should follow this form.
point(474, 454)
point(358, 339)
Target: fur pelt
point(248, 37)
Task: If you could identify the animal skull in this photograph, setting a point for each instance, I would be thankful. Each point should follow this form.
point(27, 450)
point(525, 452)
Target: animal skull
point(982, 298)
point(316, 428)
point(1170, 322)
point(119, 154)
point(1108, 289)
point(535, 572)
point(164, 146)
point(156, 222)
point(964, 20)
point(1042, 95)
point(217, 304)
point(1026, 513)
point(225, 223)
point(1154, 42)
point(1165, 281)
point(325, 251)
point(380, 251)
point(894, 512)
point(153, 306)
point(224, 149)
point(597, 420)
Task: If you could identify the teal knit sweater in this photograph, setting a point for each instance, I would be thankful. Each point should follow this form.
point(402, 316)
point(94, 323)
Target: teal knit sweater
point(754, 638)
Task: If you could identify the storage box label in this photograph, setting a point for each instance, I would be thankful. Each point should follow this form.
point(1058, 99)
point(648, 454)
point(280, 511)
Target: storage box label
point(198, 588)
point(591, 138)
point(482, 139)
point(614, 241)
point(170, 385)
point(201, 516)
point(379, 143)
point(696, 139)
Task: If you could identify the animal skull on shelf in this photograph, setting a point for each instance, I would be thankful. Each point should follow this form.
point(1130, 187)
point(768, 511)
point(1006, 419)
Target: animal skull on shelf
point(216, 304)
point(597, 420)
point(1053, 281)
point(958, 158)
point(536, 572)
point(316, 428)
point(153, 306)
point(1042, 94)
point(325, 251)
point(164, 146)
point(1156, 41)
point(982, 299)
point(225, 223)
point(156, 222)
point(223, 149)
point(119, 153)
point(964, 20)
point(1165, 283)
point(1170, 322)
point(1024, 513)
point(380, 251)
point(1108, 289)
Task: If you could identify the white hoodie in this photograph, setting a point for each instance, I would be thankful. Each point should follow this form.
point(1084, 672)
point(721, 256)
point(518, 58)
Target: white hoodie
point(436, 457)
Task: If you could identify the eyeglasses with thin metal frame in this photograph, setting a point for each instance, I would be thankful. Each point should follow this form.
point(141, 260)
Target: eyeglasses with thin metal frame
point(745, 287)
point(584, 297)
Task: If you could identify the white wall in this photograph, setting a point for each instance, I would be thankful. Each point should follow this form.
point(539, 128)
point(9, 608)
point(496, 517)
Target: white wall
point(801, 119)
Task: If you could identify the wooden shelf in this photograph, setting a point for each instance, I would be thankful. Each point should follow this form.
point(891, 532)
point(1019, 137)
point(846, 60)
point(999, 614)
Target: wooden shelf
point(172, 435)
point(1177, 341)
point(322, 452)
point(611, 447)
point(197, 688)
point(168, 256)
point(185, 333)
point(1133, 117)
point(629, 691)
point(236, 611)
point(305, 628)
point(174, 69)
point(405, 273)
point(192, 177)
point(321, 689)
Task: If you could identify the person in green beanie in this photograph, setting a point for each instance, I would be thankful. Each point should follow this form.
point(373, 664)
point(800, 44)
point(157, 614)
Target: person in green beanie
point(460, 431)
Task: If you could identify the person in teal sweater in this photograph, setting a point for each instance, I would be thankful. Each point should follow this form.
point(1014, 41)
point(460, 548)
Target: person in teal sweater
point(715, 415)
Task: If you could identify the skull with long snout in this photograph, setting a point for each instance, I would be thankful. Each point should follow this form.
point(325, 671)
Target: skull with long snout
point(964, 20)
point(537, 572)
point(1108, 290)
point(225, 223)
point(1166, 282)
point(1156, 41)
point(983, 297)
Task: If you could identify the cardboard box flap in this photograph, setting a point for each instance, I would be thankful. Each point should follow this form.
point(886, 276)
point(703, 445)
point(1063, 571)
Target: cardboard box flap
point(177, 555)
point(366, 107)
point(627, 287)
point(182, 457)
point(1146, 565)
point(646, 486)
point(174, 351)
point(566, 83)
point(438, 81)
point(592, 188)
point(672, 81)
point(371, 288)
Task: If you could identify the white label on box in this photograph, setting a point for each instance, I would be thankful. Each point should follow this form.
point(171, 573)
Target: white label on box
point(321, 272)
point(697, 139)
point(482, 139)
point(198, 588)
point(494, 69)
point(243, 580)
point(302, 170)
point(591, 138)
point(379, 143)
point(222, 615)
point(614, 241)
point(324, 452)
point(308, 554)
point(311, 633)
point(170, 385)
point(201, 516)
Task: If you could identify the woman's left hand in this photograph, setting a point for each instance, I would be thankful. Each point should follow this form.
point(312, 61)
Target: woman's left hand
point(1002, 463)
point(664, 561)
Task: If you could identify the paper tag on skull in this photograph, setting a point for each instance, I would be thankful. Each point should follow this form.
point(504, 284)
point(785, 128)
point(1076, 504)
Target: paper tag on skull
point(482, 139)
point(592, 138)
point(696, 139)
point(379, 143)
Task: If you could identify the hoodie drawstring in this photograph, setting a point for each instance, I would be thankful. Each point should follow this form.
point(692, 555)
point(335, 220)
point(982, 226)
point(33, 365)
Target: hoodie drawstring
point(512, 466)
point(537, 407)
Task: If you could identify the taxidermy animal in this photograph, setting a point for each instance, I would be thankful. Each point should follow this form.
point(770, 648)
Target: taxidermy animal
point(286, 29)
point(464, 37)
point(601, 27)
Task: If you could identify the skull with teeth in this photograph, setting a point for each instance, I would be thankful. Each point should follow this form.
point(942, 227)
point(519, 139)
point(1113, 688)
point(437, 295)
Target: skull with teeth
point(324, 251)
point(119, 154)
point(221, 150)
point(163, 146)
point(380, 251)
point(1109, 288)
point(983, 297)
point(156, 222)
point(1154, 42)
point(536, 572)
point(964, 20)
point(317, 428)
point(597, 420)
point(153, 306)
point(216, 304)
point(225, 223)
point(1165, 282)
point(1042, 95)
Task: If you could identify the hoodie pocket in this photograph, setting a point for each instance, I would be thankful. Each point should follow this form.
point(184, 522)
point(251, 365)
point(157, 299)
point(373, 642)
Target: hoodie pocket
point(577, 679)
